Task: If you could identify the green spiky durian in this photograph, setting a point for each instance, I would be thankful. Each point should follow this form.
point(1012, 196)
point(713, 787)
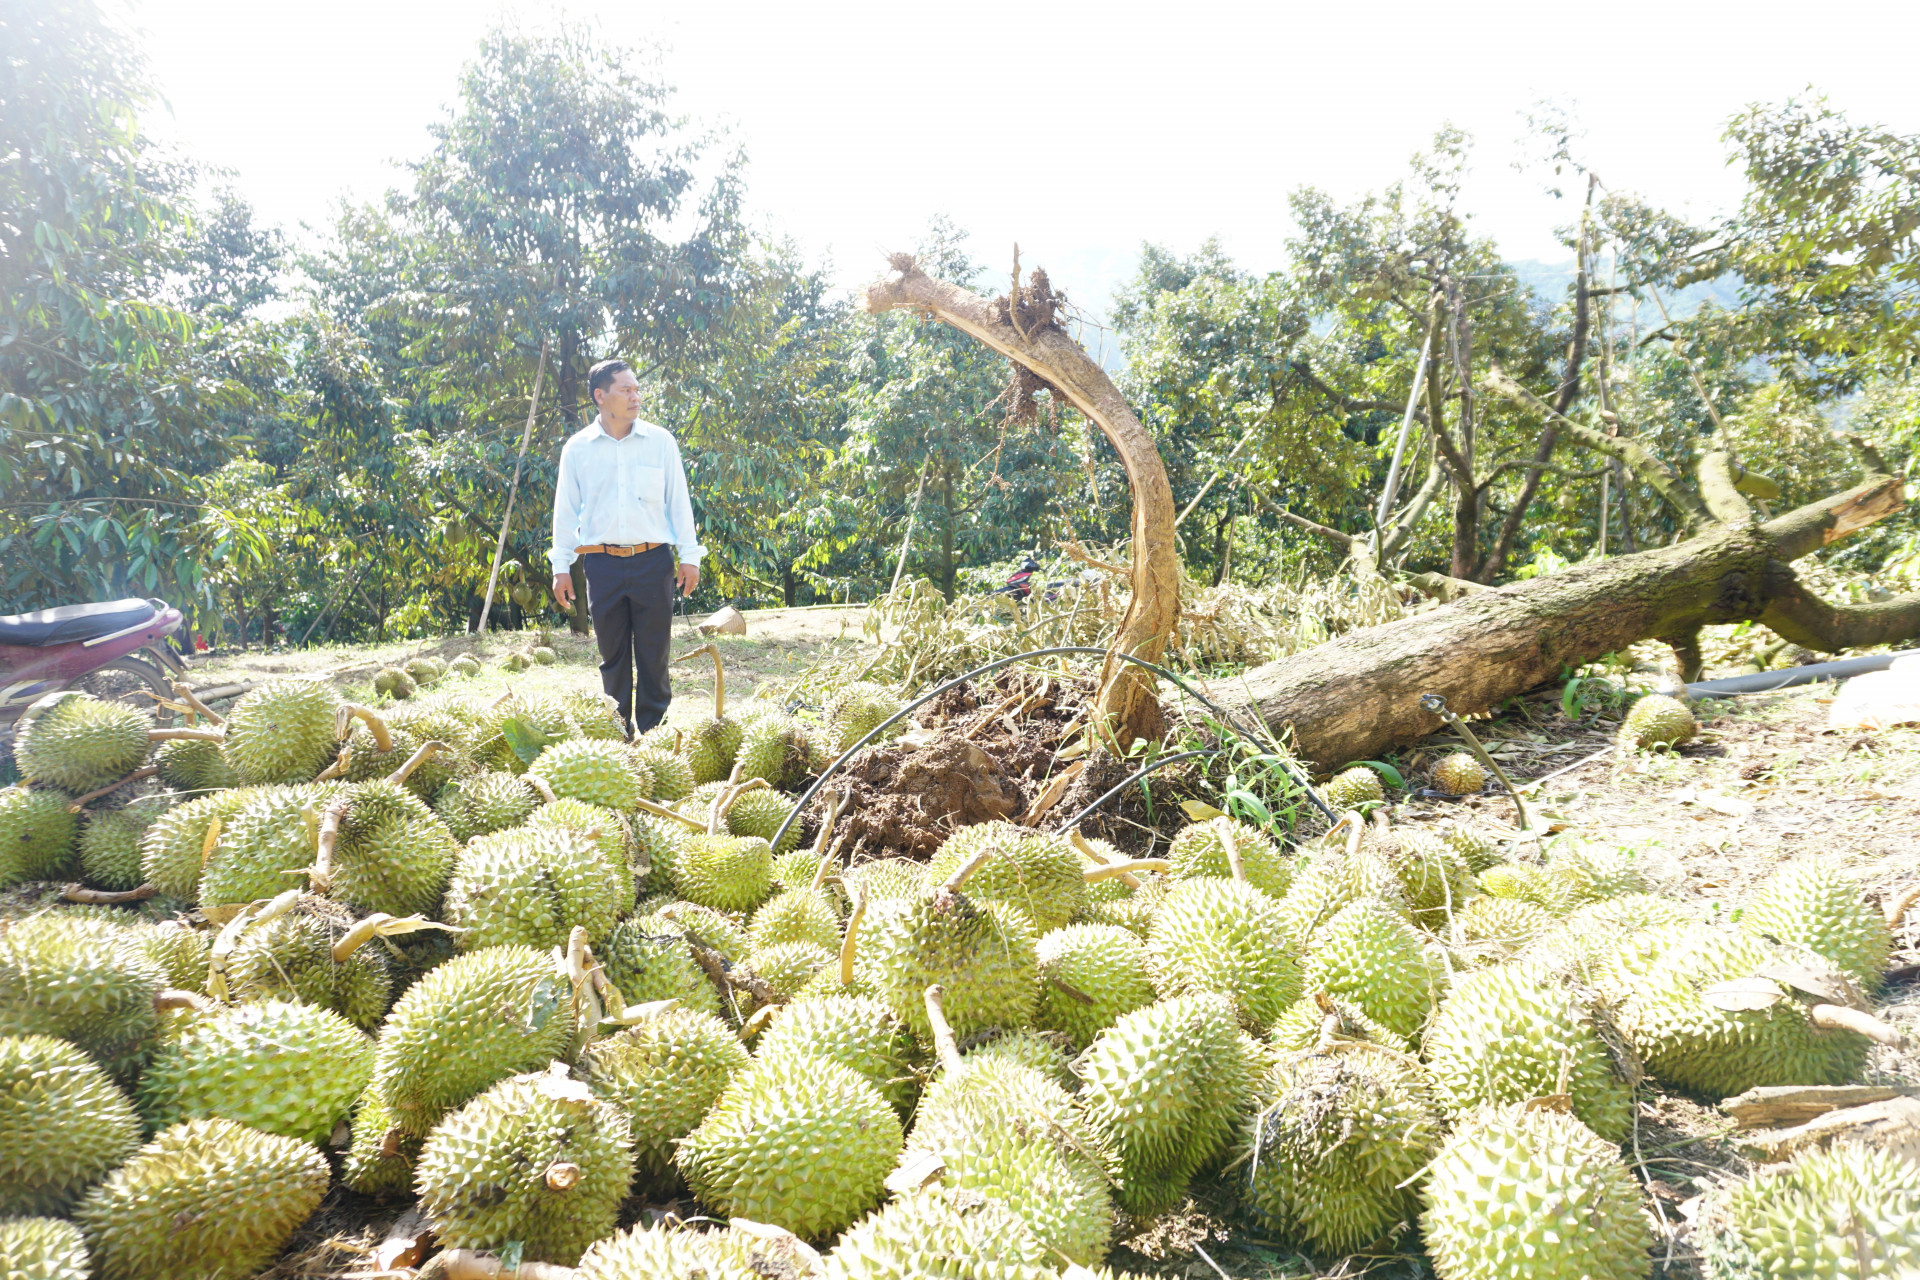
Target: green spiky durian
point(1331, 879)
point(1042, 1051)
point(1434, 878)
point(787, 967)
point(1353, 788)
point(82, 980)
point(711, 745)
point(796, 915)
point(1522, 882)
point(277, 1067)
point(424, 669)
point(855, 1031)
point(291, 957)
point(801, 1143)
point(205, 1200)
point(944, 1233)
point(1850, 1210)
point(282, 731)
point(1809, 904)
point(193, 764)
point(1535, 1193)
point(1459, 774)
point(1657, 720)
point(180, 951)
point(1595, 873)
point(475, 1020)
point(663, 1073)
point(886, 878)
point(727, 873)
point(63, 1124)
point(610, 833)
point(175, 849)
point(672, 1253)
point(393, 854)
point(672, 776)
point(656, 844)
point(408, 730)
point(76, 742)
point(464, 665)
point(381, 1158)
point(264, 848)
point(1318, 1017)
point(1165, 1086)
point(796, 869)
point(855, 710)
point(592, 770)
point(543, 655)
point(36, 834)
point(1090, 974)
point(484, 802)
point(515, 662)
point(1513, 1032)
point(532, 886)
point(647, 961)
point(110, 845)
point(395, 683)
point(1493, 928)
point(1201, 849)
point(1038, 873)
point(42, 1249)
point(1114, 901)
point(982, 953)
point(757, 813)
point(1476, 848)
point(713, 929)
point(1225, 936)
point(536, 1160)
point(1579, 944)
point(1333, 1158)
point(1370, 956)
point(778, 748)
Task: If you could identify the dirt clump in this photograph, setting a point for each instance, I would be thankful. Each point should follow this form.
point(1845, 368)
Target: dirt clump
point(907, 800)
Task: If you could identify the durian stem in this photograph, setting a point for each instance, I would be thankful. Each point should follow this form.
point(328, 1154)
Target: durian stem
point(1092, 855)
point(338, 769)
point(1131, 867)
point(363, 932)
point(754, 1025)
point(719, 676)
point(943, 1042)
point(1834, 1017)
point(852, 938)
point(425, 752)
point(563, 1176)
point(724, 801)
point(77, 892)
point(1899, 903)
point(192, 735)
point(1233, 860)
point(192, 699)
point(471, 1264)
point(350, 711)
point(829, 863)
point(718, 970)
point(966, 869)
point(1356, 835)
point(80, 802)
point(830, 806)
point(540, 784)
point(168, 998)
point(661, 811)
point(320, 875)
point(1070, 991)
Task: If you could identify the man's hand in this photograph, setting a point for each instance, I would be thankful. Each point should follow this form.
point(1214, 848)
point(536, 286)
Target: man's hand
point(563, 589)
point(688, 577)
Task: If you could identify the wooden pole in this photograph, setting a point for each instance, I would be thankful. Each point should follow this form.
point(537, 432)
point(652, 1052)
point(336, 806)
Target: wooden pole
point(500, 548)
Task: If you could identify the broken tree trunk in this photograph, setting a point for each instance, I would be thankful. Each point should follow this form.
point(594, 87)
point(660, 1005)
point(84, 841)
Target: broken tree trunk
point(1021, 327)
point(1357, 695)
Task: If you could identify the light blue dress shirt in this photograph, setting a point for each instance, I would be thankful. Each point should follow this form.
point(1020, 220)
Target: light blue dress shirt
point(621, 492)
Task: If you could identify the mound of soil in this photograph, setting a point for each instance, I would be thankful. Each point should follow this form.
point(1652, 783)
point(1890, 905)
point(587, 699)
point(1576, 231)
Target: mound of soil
point(907, 800)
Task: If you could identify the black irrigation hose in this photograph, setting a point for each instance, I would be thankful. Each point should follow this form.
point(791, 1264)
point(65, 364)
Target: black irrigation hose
point(1225, 719)
point(1161, 763)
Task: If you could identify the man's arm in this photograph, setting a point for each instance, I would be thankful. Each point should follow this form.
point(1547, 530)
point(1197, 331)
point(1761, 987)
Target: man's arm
point(680, 523)
point(566, 525)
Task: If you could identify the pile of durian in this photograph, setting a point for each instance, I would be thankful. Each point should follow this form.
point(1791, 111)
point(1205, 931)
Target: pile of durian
point(491, 956)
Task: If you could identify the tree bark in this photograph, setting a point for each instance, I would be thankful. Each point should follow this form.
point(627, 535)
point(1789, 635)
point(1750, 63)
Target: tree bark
point(1025, 333)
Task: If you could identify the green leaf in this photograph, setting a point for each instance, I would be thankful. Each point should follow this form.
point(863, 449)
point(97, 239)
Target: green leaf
point(1388, 774)
point(525, 738)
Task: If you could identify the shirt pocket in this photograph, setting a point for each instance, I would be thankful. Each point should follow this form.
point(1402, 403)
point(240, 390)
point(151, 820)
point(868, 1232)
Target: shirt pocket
point(651, 485)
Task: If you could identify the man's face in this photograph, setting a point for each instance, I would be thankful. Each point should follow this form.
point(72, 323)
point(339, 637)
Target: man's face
point(621, 401)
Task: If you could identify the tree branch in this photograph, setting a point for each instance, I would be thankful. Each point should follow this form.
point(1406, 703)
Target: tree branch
point(1401, 526)
point(1806, 529)
point(1797, 614)
point(1332, 535)
point(1351, 405)
point(1718, 490)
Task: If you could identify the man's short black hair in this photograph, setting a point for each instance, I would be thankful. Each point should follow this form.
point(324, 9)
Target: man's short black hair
point(600, 377)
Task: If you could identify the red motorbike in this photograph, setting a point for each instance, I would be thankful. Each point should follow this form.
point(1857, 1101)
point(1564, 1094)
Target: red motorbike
point(116, 650)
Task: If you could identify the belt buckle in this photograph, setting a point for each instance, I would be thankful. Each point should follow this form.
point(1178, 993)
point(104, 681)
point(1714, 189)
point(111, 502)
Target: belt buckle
point(622, 552)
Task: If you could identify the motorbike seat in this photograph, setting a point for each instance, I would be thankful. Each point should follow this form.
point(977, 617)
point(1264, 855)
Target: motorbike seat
point(72, 623)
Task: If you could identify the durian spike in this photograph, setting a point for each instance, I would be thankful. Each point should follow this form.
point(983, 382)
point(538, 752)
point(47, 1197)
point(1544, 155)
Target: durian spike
point(851, 940)
point(943, 1042)
point(338, 769)
point(82, 801)
point(382, 925)
point(188, 696)
point(754, 1025)
point(170, 998)
point(1836, 1017)
point(661, 811)
point(1131, 867)
point(966, 869)
point(77, 892)
point(1092, 855)
point(541, 785)
point(195, 735)
point(1899, 903)
point(320, 874)
point(719, 676)
point(830, 806)
point(423, 753)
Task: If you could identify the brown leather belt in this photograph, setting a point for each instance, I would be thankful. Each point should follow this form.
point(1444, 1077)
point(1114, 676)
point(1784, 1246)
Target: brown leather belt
point(638, 548)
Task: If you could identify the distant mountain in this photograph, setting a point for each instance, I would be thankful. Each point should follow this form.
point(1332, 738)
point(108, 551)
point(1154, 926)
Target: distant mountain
point(1550, 281)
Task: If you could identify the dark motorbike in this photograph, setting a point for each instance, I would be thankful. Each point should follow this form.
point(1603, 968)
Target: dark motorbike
point(116, 650)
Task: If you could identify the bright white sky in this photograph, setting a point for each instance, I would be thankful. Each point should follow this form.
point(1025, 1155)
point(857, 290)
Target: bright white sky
point(1079, 130)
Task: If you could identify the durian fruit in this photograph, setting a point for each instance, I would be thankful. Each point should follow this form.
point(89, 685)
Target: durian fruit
point(81, 980)
point(208, 1198)
point(382, 1156)
point(407, 729)
point(1657, 720)
point(727, 873)
point(671, 1253)
point(394, 682)
point(981, 953)
point(515, 662)
point(1225, 936)
point(76, 742)
point(110, 845)
point(855, 1031)
point(1523, 882)
point(672, 776)
point(1493, 928)
point(960, 1235)
point(663, 1073)
point(787, 967)
point(1594, 873)
point(474, 1020)
point(1579, 944)
point(464, 665)
point(596, 715)
point(1042, 1051)
point(275, 1066)
point(36, 834)
point(1331, 879)
point(1433, 875)
point(1038, 873)
point(647, 960)
point(656, 844)
point(1317, 1019)
point(796, 915)
point(595, 771)
point(1677, 1017)
point(392, 854)
point(778, 748)
point(799, 1143)
point(857, 709)
point(1090, 974)
point(1332, 1158)
point(543, 655)
point(711, 745)
point(1115, 901)
point(1459, 774)
point(1809, 904)
point(63, 1125)
point(1370, 956)
point(265, 847)
point(484, 802)
point(886, 878)
point(798, 869)
point(282, 731)
point(757, 812)
point(1514, 1032)
point(175, 850)
point(1212, 847)
point(1850, 1210)
point(610, 835)
point(177, 948)
point(1165, 1086)
point(1526, 1191)
point(425, 669)
point(296, 955)
point(1475, 847)
point(715, 930)
point(193, 764)
point(42, 1249)
point(1353, 788)
point(536, 1160)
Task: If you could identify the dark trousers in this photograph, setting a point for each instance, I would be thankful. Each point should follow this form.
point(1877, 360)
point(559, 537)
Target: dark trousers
point(631, 601)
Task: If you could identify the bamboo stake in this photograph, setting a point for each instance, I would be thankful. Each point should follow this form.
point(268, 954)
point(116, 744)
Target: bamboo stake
point(513, 490)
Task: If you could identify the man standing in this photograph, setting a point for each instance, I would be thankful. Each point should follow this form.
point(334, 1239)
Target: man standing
point(621, 506)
